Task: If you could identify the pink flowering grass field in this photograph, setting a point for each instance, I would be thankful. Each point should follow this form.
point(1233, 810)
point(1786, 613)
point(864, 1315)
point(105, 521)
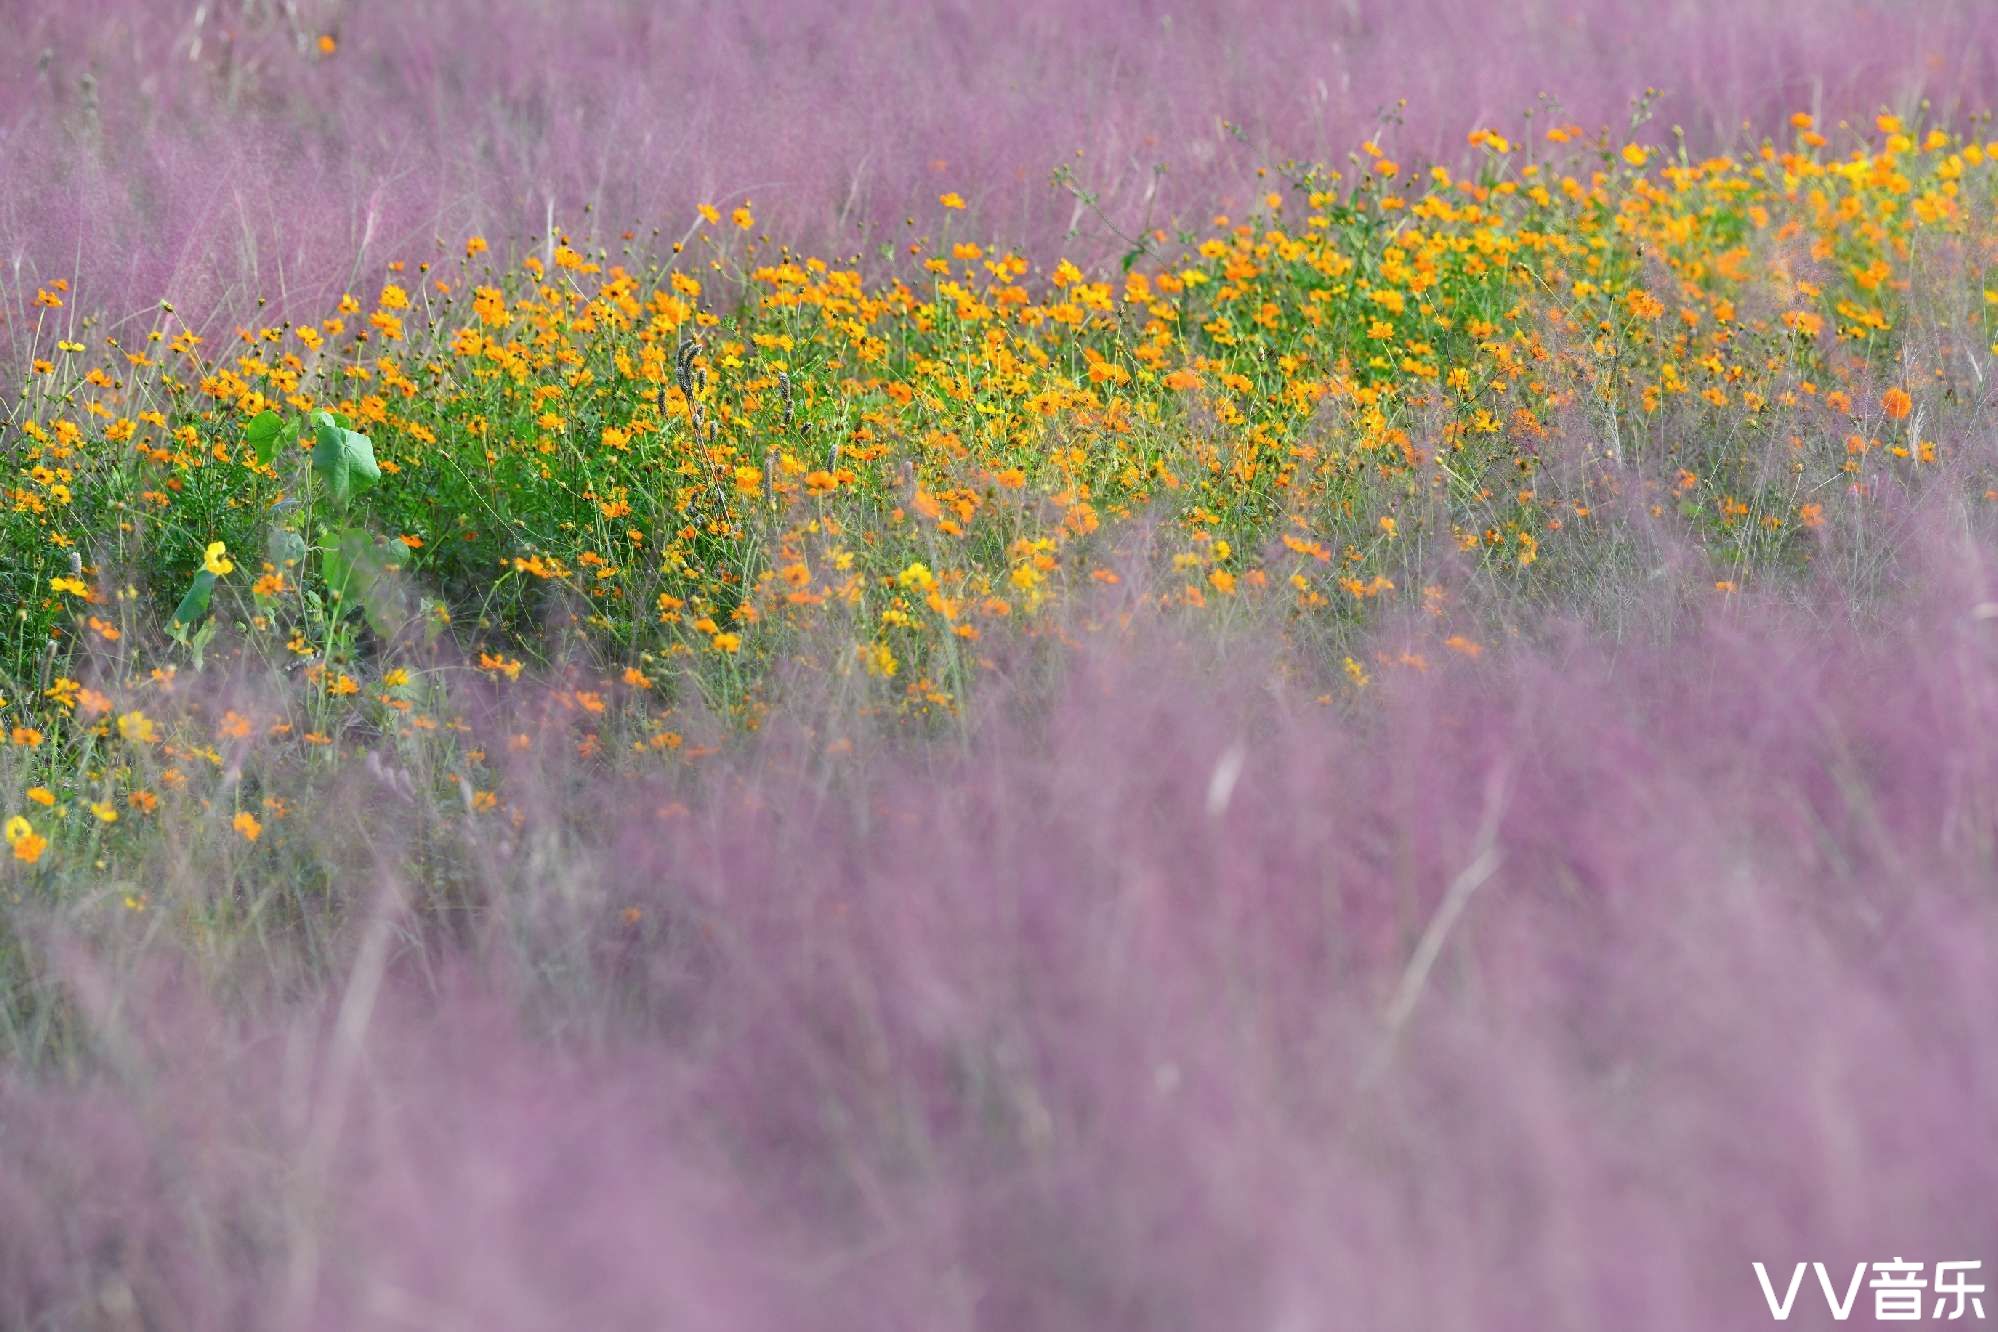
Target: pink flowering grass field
point(219, 153)
point(1255, 667)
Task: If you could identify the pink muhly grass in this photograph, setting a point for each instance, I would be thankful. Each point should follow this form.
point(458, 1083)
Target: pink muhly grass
point(1546, 989)
point(211, 155)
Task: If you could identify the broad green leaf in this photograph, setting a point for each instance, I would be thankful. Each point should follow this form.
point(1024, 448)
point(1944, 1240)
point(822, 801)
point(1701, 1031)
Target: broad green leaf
point(336, 560)
point(282, 546)
point(195, 604)
point(357, 566)
point(344, 459)
point(262, 433)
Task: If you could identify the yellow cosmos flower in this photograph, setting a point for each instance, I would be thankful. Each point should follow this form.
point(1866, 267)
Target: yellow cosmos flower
point(216, 560)
point(28, 845)
point(878, 659)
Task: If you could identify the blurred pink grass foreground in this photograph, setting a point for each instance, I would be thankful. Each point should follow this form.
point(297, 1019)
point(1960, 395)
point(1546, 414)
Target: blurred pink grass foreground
point(214, 154)
point(1548, 989)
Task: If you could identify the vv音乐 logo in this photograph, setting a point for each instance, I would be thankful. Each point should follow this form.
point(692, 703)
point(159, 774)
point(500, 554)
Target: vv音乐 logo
point(1901, 1291)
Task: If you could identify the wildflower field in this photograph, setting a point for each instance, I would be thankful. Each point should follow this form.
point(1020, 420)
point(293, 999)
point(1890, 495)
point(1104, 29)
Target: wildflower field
point(1276, 666)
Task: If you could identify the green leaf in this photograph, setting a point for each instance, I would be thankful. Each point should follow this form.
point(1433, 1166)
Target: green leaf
point(344, 459)
point(262, 433)
point(357, 566)
point(336, 560)
point(1132, 256)
point(199, 643)
point(195, 604)
point(282, 547)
